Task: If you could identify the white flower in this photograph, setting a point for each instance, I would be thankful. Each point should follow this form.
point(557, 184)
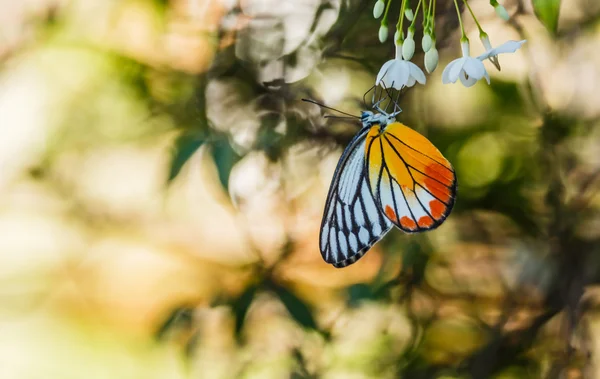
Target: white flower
point(488, 47)
point(383, 33)
point(469, 70)
point(398, 73)
point(378, 8)
point(506, 47)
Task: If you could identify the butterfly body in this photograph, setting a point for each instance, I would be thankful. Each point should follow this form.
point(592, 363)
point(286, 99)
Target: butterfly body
point(388, 175)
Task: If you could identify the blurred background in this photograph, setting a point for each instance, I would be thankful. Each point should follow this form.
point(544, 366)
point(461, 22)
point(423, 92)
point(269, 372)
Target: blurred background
point(162, 187)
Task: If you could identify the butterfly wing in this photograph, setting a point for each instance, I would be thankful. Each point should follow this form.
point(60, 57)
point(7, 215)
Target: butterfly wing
point(352, 222)
point(413, 184)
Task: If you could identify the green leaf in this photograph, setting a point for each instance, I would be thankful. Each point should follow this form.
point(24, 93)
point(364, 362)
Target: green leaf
point(547, 12)
point(359, 292)
point(240, 307)
point(185, 146)
point(225, 158)
point(300, 311)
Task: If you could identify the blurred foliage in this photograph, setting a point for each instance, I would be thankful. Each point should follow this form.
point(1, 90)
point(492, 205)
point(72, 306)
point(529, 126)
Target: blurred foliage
point(163, 188)
point(547, 11)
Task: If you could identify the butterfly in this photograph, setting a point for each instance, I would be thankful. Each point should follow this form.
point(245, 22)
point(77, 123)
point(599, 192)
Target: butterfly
point(388, 175)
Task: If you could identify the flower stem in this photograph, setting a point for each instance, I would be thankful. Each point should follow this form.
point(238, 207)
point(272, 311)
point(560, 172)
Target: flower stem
point(401, 21)
point(462, 28)
point(412, 24)
point(385, 14)
point(426, 13)
point(473, 15)
point(433, 20)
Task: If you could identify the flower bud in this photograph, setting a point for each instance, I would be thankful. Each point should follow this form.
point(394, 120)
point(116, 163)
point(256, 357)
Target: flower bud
point(408, 49)
point(383, 33)
point(378, 8)
point(409, 14)
point(501, 12)
point(426, 42)
point(431, 59)
point(397, 36)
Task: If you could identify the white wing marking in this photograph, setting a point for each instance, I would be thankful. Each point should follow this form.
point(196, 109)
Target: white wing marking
point(352, 222)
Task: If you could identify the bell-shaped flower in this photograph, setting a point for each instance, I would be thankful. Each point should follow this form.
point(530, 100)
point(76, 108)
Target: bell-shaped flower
point(469, 70)
point(398, 73)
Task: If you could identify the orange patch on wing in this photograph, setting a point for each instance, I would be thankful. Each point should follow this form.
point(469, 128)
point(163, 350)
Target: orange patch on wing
point(437, 189)
point(374, 155)
point(425, 222)
point(398, 169)
point(389, 212)
point(437, 208)
point(407, 223)
point(439, 173)
point(417, 141)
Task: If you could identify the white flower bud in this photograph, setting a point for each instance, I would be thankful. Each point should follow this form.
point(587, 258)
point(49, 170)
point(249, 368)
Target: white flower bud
point(426, 42)
point(409, 14)
point(383, 33)
point(397, 36)
point(378, 8)
point(408, 49)
point(501, 12)
point(431, 59)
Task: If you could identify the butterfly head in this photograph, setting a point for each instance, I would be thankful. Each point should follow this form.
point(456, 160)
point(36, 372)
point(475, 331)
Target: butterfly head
point(382, 118)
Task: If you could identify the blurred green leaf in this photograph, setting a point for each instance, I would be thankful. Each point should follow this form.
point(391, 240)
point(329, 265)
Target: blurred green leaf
point(185, 146)
point(358, 293)
point(225, 158)
point(298, 309)
point(547, 12)
point(240, 307)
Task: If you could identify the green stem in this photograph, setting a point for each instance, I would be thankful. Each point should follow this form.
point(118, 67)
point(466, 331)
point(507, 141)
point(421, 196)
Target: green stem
point(473, 15)
point(412, 24)
point(401, 21)
point(385, 14)
point(425, 14)
point(462, 28)
point(433, 18)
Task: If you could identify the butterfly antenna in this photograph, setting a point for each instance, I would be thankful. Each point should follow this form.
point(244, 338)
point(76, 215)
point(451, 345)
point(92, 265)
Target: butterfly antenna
point(330, 108)
point(365, 95)
point(373, 98)
point(390, 98)
point(396, 102)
